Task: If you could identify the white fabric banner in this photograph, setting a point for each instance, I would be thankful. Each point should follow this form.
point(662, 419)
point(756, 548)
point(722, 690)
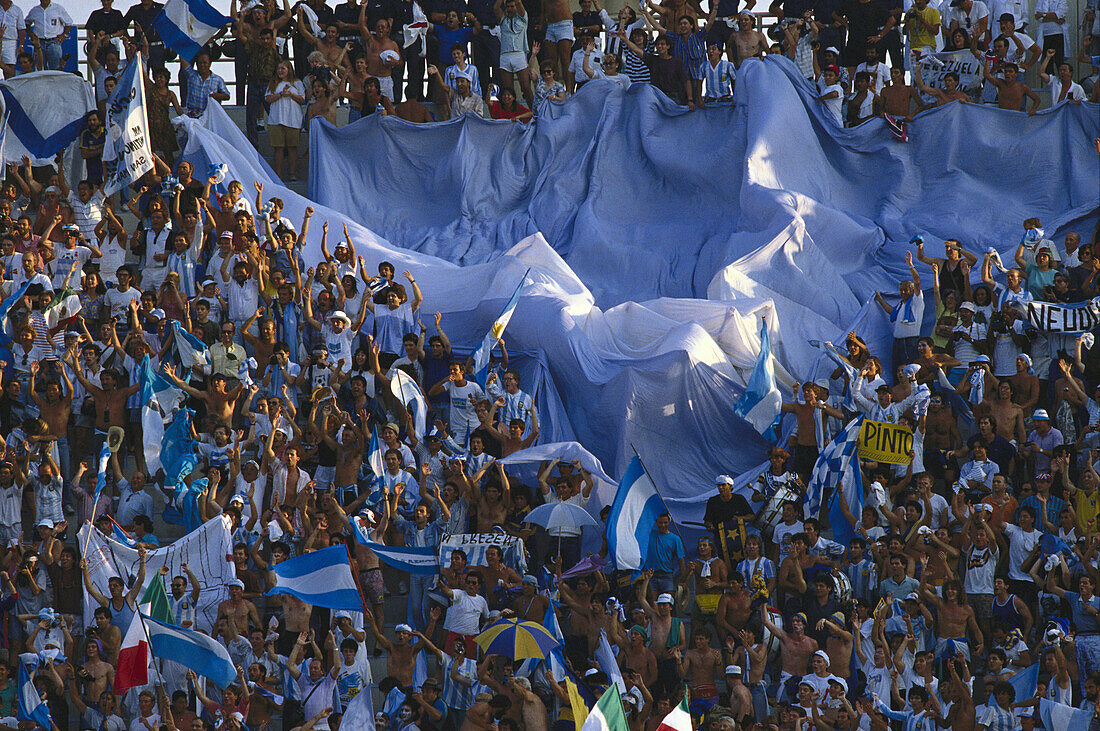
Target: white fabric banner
point(127, 151)
point(475, 545)
point(207, 551)
point(934, 67)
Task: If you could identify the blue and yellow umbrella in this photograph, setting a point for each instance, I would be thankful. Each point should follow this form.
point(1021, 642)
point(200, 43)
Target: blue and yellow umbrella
point(515, 639)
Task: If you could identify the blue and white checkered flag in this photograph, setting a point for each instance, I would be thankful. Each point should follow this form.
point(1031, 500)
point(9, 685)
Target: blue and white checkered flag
point(838, 464)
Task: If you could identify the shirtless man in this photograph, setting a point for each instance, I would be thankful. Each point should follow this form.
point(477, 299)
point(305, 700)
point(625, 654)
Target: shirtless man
point(1011, 92)
point(700, 665)
point(751, 654)
point(96, 673)
point(588, 617)
point(55, 407)
point(382, 53)
point(795, 647)
point(353, 91)
point(941, 433)
point(494, 502)
point(804, 450)
point(734, 609)
point(402, 651)
point(496, 574)
point(530, 605)
point(532, 709)
point(897, 97)
point(950, 93)
point(668, 632)
point(1025, 384)
point(838, 644)
point(1006, 413)
point(328, 44)
point(583, 606)
point(557, 18)
point(636, 656)
point(350, 451)
point(740, 701)
point(220, 401)
point(746, 41)
point(954, 616)
point(110, 400)
point(263, 345)
point(242, 611)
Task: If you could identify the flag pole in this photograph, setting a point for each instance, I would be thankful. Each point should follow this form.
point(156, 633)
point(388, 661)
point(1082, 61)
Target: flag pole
point(658, 491)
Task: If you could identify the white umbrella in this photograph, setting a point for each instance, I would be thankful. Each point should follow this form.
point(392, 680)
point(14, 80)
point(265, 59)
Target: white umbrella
point(561, 515)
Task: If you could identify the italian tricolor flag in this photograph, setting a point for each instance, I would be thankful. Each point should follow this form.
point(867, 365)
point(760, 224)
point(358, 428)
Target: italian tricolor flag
point(607, 714)
point(133, 656)
point(679, 719)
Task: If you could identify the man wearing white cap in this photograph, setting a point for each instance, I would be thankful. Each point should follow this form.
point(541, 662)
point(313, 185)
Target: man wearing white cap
point(75, 250)
point(242, 611)
point(726, 515)
point(1042, 440)
point(740, 700)
point(968, 335)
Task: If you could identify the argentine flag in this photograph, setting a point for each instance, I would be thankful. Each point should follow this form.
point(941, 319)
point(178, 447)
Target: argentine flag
point(186, 26)
point(159, 398)
point(321, 578)
point(193, 352)
point(1060, 717)
point(481, 355)
point(194, 650)
point(31, 707)
point(632, 516)
point(760, 404)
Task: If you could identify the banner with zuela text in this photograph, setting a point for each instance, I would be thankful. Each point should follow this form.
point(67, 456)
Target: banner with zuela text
point(881, 441)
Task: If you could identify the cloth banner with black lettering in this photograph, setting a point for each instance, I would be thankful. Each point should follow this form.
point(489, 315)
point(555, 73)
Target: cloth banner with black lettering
point(1053, 317)
point(476, 544)
point(881, 441)
point(934, 67)
point(127, 150)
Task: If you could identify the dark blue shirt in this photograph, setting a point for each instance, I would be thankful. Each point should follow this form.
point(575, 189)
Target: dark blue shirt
point(448, 38)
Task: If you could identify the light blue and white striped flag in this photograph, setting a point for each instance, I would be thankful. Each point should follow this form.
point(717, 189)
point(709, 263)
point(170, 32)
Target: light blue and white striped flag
point(192, 649)
point(101, 475)
point(481, 355)
point(632, 517)
point(413, 559)
point(1060, 717)
point(838, 464)
point(186, 26)
point(193, 352)
point(321, 578)
point(31, 707)
point(761, 402)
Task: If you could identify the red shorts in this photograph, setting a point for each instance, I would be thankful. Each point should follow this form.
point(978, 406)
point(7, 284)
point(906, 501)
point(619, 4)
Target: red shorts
point(471, 646)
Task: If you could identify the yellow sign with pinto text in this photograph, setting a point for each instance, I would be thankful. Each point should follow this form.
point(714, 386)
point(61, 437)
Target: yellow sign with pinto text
point(881, 441)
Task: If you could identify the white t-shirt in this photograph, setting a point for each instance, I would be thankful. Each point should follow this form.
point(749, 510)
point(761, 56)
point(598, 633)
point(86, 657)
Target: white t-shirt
point(285, 111)
point(119, 301)
point(63, 261)
point(1075, 92)
point(339, 344)
point(832, 106)
point(1019, 546)
point(462, 411)
point(964, 349)
point(465, 613)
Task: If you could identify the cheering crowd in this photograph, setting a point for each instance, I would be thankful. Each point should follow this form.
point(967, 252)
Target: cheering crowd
point(967, 568)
